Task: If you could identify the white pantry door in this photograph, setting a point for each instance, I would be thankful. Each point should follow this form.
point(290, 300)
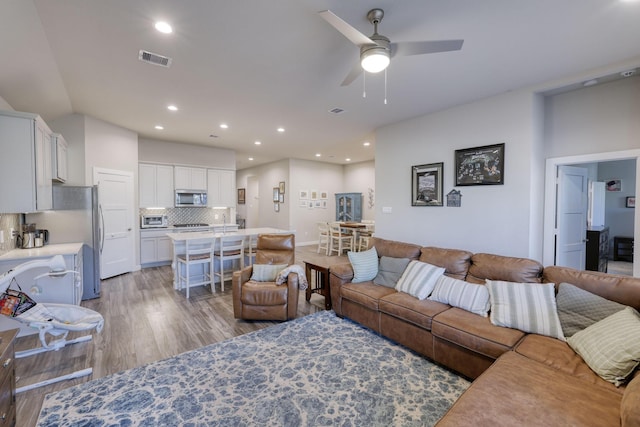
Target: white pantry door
point(571, 217)
point(115, 200)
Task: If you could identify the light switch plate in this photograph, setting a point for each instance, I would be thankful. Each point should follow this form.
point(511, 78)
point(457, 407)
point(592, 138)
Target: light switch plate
point(387, 209)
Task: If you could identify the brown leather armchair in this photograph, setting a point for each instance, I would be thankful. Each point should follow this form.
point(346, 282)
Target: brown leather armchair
point(266, 300)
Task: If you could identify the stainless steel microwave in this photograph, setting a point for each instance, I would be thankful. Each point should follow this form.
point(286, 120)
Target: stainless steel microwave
point(191, 198)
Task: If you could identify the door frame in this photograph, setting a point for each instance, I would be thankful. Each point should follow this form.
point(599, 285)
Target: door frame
point(550, 198)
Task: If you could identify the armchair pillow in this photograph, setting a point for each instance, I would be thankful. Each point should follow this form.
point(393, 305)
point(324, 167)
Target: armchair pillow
point(419, 279)
point(390, 271)
point(530, 307)
point(472, 297)
point(365, 265)
point(266, 272)
point(611, 347)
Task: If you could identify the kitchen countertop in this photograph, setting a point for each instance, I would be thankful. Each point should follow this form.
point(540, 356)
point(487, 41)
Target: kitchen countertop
point(43, 252)
point(209, 234)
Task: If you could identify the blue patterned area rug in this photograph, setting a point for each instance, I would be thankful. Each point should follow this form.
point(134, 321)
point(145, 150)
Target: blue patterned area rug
point(318, 370)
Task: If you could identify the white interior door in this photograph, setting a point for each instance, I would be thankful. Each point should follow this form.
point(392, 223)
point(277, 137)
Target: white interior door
point(571, 217)
point(115, 200)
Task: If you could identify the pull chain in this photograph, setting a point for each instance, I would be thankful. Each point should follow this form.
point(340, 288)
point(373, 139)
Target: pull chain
point(385, 86)
point(364, 84)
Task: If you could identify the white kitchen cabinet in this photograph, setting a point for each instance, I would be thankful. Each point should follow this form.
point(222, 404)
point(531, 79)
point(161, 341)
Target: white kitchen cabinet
point(187, 178)
point(155, 248)
point(59, 168)
point(25, 164)
point(221, 186)
point(155, 187)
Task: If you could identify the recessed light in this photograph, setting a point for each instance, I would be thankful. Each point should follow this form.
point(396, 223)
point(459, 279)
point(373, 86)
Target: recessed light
point(172, 108)
point(224, 126)
point(280, 129)
point(159, 127)
point(164, 27)
point(250, 159)
point(318, 154)
point(366, 143)
point(347, 159)
point(258, 143)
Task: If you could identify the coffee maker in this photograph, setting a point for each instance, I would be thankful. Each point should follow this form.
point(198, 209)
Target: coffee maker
point(27, 239)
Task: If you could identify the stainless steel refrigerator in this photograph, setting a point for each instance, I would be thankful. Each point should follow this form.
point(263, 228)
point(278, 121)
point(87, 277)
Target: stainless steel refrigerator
point(75, 218)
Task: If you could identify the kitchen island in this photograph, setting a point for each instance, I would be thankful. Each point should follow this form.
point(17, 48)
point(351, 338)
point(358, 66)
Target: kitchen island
point(178, 242)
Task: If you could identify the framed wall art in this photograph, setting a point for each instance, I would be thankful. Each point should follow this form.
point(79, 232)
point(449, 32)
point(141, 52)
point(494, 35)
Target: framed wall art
point(276, 194)
point(426, 185)
point(630, 202)
point(281, 187)
point(480, 165)
point(241, 196)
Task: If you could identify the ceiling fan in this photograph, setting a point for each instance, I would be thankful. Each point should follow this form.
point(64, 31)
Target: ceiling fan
point(377, 50)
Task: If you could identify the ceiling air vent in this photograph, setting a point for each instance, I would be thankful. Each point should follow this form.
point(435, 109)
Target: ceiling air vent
point(154, 58)
point(336, 110)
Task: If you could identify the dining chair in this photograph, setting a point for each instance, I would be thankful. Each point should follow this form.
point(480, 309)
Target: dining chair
point(250, 249)
point(339, 241)
point(230, 249)
point(365, 235)
point(197, 252)
point(323, 237)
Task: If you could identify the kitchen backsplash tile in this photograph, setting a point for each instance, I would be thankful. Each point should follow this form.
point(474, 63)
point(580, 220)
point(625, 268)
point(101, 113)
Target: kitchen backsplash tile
point(192, 215)
point(7, 222)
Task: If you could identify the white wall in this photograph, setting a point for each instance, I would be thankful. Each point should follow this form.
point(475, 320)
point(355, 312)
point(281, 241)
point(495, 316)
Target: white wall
point(596, 119)
point(156, 151)
point(492, 218)
point(361, 178)
point(4, 105)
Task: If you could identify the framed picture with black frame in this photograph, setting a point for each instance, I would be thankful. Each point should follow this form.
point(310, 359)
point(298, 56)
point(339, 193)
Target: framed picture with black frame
point(480, 165)
point(426, 185)
point(241, 196)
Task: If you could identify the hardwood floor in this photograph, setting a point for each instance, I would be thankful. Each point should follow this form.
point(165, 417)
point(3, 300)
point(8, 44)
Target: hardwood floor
point(145, 320)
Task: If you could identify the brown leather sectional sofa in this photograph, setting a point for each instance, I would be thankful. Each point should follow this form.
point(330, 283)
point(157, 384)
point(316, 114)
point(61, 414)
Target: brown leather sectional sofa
point(519, 378)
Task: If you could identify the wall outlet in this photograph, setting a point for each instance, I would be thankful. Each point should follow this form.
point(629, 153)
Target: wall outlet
point(387, 209)
point(13, 233)
point(1, 236)
point(216, 216)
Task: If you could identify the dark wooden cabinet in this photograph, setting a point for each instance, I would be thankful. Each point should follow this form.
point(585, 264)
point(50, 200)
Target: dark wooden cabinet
point(623, 248)
point(7, 378)
point(597, 249)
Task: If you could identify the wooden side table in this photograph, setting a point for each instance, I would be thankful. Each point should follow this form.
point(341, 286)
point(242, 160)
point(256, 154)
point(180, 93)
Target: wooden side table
point(623, 248)
point(320, 284)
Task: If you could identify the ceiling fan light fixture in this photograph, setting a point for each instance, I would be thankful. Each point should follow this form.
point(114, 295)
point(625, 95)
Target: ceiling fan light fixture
point(374, 59)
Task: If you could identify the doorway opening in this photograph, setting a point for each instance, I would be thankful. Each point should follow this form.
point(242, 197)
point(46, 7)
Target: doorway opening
point(551, 224)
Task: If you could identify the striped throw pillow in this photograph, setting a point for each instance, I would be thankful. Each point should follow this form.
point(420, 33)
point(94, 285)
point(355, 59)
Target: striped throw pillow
point(458, 293)
point(419, 279)
point(365, 265)
point(266, 272)
point(611, 347)
point(530, 307)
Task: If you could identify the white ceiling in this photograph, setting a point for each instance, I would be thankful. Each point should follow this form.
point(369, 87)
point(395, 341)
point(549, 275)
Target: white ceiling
point(257, 64)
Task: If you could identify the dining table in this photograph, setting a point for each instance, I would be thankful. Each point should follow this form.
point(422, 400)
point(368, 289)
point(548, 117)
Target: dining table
point(179, 241)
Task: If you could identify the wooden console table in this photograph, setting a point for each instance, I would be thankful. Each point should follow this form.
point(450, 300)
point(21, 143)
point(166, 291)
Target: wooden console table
point(318, 278)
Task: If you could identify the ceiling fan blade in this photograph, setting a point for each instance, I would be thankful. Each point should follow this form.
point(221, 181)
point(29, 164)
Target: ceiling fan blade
point(419, 48)
point(353, 74)
point(355, 36)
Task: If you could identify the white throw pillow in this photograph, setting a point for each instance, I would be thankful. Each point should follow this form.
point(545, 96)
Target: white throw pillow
point(530, 307)
point(266, 272)
point(472, 297)
point(365, 265)
point(419, 279)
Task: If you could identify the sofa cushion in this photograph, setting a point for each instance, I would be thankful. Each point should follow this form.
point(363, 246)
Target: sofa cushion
point(396, 249)
point(530, 307)
point(630, 406)
point(498, 267)
point(558, 355)
point(365, 265)
point(390, 270)
point(458, 293)
point(419, 279)
point(366, 294)
point(611, 347)
point(455, 261)
point(474, 332)
point(519, 391)
point(266, 272)
point(411, 309)
point(578, 309)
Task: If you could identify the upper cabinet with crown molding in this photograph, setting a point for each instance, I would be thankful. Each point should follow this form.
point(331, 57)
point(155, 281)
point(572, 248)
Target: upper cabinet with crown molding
point(187, 178)
point(155, 183)
point(25, 164)
point(221, 188)
point(58, 158)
